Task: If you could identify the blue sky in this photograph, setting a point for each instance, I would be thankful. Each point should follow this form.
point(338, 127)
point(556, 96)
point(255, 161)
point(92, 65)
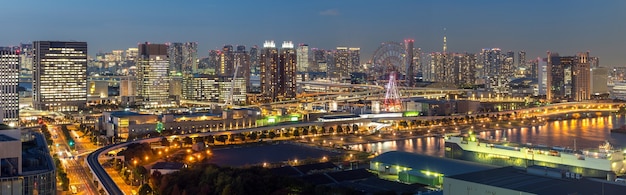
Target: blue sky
point(535, 26)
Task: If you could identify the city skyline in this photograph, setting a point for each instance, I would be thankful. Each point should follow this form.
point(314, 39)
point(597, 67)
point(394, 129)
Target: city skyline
point(533, 26)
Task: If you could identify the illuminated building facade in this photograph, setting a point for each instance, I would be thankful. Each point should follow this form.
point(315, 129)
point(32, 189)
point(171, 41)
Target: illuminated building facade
point(287, 69)
point(278, 72)
point(303, 58)
point(211, 88)
point(346, 60)
point(9, 97)
point(153, 79)
point(60, 75)
point(558, 76)
point(183, 58)
point(342, 64)
point(268, 63)
point(410, 67)
point(581, 77)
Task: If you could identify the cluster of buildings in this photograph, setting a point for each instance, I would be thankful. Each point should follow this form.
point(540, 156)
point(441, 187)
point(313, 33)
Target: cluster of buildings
point(554, 78)
point(233, 75)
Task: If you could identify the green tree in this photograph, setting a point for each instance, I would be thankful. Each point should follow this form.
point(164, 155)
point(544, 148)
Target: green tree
point(253, 135)
point(355, 128)
point(271, 135)
point(296, 133)
point(145, 189)
point(209, 139)
point(165, 142)
point(198, 140)
point(187, 141)
point(339, 129)
point(221, 138)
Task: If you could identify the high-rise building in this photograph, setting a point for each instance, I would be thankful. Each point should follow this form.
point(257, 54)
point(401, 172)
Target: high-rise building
point(254, 85)
point(521, 59)
point(26, 59)
point(558, 76)
point(441, 68)
point(9, 97)
point(269, 71)
point(491, 60)
point(242, 63)
point(410, 67)
point(463, 65)
point(183, 58)
point(355, 59)
point(346, 60)
point(303, 58)
point(319, 57)
point(59, 75)
point(581, 77)
point(599, 81)
point(287, 69)
point(278, 72)
point(343, 65)
point(542, 75)
point(594, 62)
point(153, 75)
point(227, 61)
point(131, 54)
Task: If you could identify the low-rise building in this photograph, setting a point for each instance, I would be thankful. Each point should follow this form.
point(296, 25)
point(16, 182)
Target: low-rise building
point(422, 169)
point(533, 180)
point(25, 170)
point(167, 167)
point(129, 125)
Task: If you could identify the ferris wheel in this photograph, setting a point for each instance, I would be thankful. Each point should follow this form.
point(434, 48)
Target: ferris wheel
point(389, 57)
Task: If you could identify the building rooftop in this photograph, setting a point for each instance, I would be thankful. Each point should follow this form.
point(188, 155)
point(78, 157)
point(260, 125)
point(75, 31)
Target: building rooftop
point(168, 165)
point(197, 114)
point(441, 165)
point(5, 127)
point(126, 113)
point(517, 179)
point(305, 169)
point(4, 138)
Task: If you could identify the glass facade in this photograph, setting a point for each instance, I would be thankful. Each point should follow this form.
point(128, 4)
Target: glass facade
point(153, 75)
point(60, 76)
point(9, 72)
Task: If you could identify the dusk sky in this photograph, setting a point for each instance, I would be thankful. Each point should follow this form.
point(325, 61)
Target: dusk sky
point(535, 26)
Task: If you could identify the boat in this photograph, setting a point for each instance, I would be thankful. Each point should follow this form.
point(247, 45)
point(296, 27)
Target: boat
point(621, 129)
point(596, 162)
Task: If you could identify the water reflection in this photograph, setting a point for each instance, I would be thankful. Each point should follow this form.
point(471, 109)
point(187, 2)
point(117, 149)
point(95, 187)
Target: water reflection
point(586, 133)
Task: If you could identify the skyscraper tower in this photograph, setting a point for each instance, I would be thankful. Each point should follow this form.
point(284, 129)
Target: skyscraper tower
point(287, 68)
point(581, 76)
point(183, 58)
point(303, 58)
point(59, 75)
point(153, 75)
point(242, 60)
point(9, 72)
point(355, 59)
point(269, 72)
point(227, 61)
point(557, 70)
point(343, 64)
point(521, 59)
point(410, 67)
